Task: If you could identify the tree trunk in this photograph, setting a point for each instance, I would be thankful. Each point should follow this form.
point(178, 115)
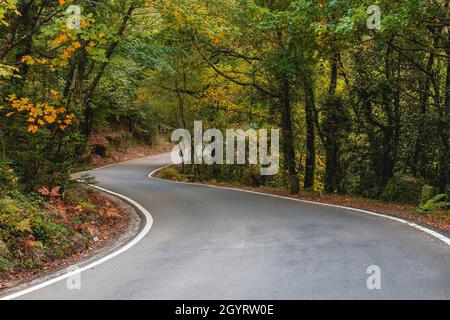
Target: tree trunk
point(310, 107)
point(332, 174)
point(289, 150)
point(182, 118)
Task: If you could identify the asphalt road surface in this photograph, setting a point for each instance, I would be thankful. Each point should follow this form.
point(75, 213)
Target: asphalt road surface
point(209, 243)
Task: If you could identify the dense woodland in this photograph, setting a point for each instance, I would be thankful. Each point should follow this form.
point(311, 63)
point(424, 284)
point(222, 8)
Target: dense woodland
point(362, 111)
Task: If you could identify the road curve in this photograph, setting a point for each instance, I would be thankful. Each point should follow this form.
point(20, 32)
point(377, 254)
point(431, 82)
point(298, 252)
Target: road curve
point(209, 243)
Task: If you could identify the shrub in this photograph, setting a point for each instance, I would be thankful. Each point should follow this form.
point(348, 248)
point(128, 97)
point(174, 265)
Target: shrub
point(27, 232)
point(8, 179)
point(4, 256)
point(428, 193)
point(439, 203)
point(251, 176)
point(170, 173)
point(404, 189)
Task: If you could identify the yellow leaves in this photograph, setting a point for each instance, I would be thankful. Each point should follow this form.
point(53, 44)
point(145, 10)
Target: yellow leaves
point(92, 43)
point(50, 118)
point(40, 114)
point(48, 109)
point(31, 61)
point(68, 51)
point(177, 16)
point(216, 37)
point(24, 226)
point(84, 23)
point(61, 38)
point(26, 58)
point(53, 65)
point(33, 128)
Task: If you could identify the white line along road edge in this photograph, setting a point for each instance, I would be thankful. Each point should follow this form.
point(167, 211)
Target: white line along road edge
point(132, 243)
point(432, 233)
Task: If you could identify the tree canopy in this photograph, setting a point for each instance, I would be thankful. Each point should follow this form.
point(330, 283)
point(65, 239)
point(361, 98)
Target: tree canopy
point(357, 106)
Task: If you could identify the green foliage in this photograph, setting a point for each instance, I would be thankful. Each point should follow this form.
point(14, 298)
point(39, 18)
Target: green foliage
point(440, 202)
point(428, 192)
point(28, 233)
point(8, 179)
point(403, 189)
point(252, 176)
point(170, 173)
point(7, 7)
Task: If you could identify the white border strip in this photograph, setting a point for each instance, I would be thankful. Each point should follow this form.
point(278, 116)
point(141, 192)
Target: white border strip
point(132, 243)
point(432, 233)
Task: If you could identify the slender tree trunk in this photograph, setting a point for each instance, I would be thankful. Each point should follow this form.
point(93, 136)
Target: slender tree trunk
point(310, 106)
point(289, 150)
point(182, 118)
point(334, 73)
point(332, 174)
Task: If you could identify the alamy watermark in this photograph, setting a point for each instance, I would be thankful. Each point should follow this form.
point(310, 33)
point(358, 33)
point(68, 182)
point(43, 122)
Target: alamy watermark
point(74, 17)
point(74, 280)
point(208, 147)
point(374, 279)
point(374, 20)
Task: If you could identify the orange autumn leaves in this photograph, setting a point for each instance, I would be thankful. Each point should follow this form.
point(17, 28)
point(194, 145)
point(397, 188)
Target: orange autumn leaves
point(65, 43)
point(40, 114)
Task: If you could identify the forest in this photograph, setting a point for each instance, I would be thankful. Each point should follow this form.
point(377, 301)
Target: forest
point(362, 111)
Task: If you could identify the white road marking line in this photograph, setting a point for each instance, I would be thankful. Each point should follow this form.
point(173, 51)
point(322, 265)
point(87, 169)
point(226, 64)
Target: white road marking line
point(430, 232)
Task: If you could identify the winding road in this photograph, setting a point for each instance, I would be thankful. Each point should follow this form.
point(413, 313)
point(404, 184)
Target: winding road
point(210, 243)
